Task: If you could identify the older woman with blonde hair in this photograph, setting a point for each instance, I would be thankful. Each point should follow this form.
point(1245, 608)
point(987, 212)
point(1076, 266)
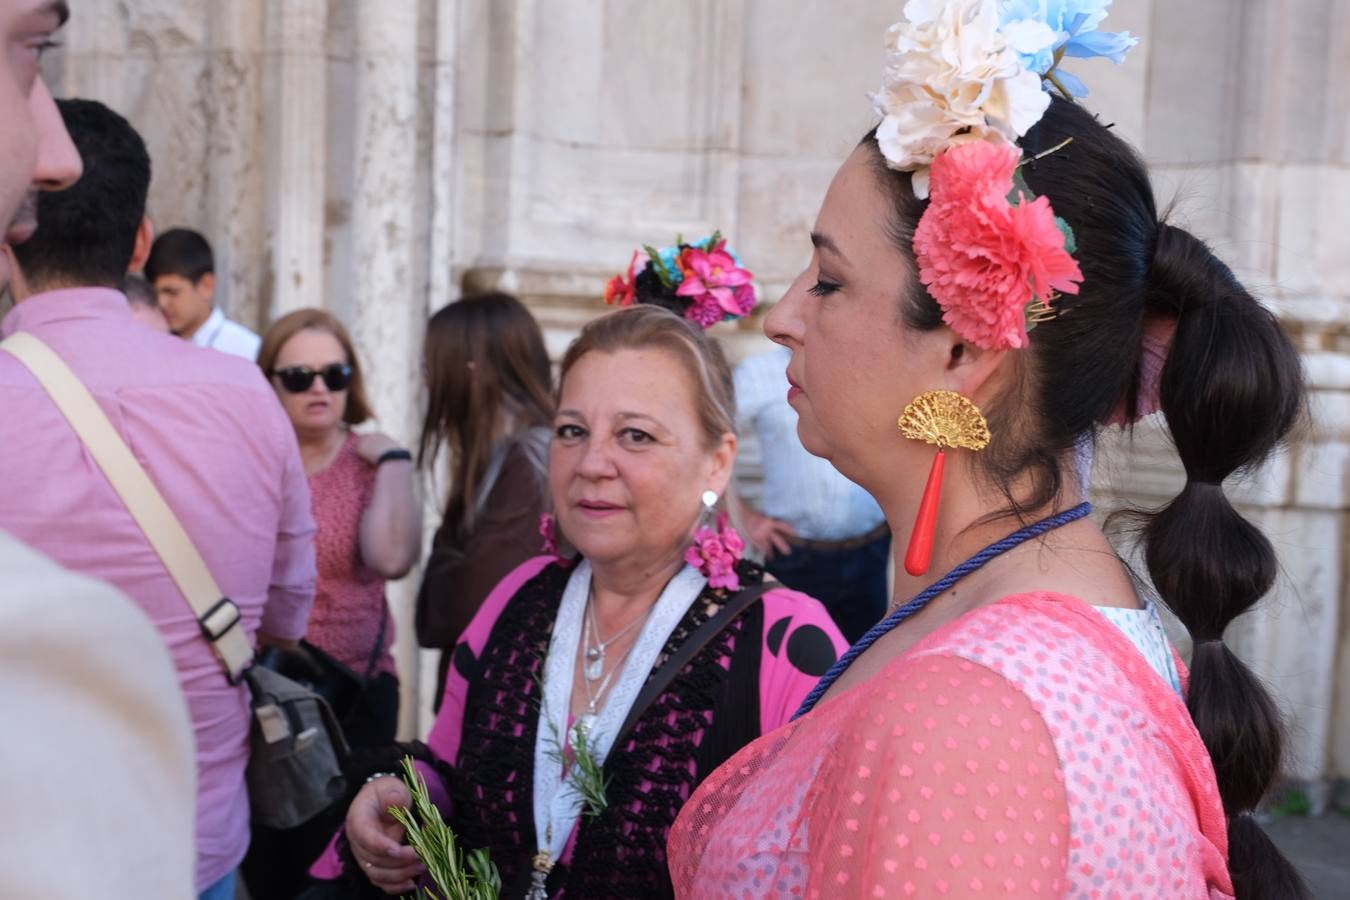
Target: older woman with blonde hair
point(590, 695)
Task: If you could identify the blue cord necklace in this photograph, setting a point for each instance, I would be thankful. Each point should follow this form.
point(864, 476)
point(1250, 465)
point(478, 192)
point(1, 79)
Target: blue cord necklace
point(1017, 538)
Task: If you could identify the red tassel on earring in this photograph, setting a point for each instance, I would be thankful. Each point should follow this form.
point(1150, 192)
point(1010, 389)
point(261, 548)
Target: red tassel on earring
point(920, 551)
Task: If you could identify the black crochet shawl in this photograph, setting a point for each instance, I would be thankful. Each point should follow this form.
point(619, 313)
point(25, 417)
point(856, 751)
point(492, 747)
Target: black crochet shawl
point(708, 712)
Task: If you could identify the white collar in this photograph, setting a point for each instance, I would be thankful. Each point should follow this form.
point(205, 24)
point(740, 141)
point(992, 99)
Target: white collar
point(557, 805)
point(206, 335)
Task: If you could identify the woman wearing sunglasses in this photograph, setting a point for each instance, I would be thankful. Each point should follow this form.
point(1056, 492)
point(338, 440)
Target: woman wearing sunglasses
point(369, 531)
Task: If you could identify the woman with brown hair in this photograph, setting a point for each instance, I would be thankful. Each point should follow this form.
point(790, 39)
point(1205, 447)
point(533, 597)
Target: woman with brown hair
point(369, 532)
point(488, 401)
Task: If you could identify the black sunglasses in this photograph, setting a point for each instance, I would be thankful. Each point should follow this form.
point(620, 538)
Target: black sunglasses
point(297, 379)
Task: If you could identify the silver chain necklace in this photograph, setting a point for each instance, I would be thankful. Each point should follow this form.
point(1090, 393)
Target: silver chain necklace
point(587, 720)
point(594, 669)
point(595, 665)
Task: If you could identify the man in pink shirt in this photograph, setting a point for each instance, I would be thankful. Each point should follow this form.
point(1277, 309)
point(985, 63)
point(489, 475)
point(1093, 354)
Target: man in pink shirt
point(112, 732)
point(207, 428)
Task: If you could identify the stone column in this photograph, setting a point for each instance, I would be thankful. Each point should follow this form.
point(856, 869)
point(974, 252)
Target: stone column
point(444, 152)
point(232, 215)
point(386, 312)
point(296, 142)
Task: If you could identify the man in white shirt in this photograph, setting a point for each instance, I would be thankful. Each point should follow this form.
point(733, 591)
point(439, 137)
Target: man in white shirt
point(183, 271)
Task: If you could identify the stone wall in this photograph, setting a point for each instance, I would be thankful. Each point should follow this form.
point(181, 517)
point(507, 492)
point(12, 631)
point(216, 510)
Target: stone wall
point(377, 159)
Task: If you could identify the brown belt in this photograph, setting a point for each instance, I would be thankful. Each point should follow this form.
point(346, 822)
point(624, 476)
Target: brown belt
point(852, 543)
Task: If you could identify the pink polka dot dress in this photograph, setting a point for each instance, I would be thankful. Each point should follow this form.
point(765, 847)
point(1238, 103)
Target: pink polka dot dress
point(1027, 749)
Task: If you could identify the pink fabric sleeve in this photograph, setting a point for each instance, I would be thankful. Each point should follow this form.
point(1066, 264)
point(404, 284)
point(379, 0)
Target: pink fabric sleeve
point(445, 733)
point(291, 590)
point(801, 642)
point(948, 785)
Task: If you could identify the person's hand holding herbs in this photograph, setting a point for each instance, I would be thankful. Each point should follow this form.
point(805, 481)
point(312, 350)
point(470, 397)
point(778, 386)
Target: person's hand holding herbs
point(376, 837)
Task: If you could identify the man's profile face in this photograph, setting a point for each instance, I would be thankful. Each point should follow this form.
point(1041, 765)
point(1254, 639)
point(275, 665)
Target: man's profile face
point(35, 150)
point(186, 305)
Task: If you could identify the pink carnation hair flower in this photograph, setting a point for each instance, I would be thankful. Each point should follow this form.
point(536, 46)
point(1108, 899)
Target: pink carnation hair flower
point(982, 258)
point(983, 173)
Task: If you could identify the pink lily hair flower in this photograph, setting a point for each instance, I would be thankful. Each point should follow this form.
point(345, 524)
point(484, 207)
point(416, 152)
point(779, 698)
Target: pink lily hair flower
point(715, 554)
point(715, 283)
point(984, 258)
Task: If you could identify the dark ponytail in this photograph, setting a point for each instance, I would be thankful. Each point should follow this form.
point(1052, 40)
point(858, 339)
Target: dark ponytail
point(1232, 389)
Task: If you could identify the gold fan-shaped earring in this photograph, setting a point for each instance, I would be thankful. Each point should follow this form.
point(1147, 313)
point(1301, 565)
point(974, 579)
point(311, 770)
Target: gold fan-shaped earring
point(944, 419)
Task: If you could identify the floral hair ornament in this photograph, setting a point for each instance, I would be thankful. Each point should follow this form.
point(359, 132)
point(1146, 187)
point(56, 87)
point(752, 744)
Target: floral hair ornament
point(1074, 23)
point(963, 81)
point(702, 281)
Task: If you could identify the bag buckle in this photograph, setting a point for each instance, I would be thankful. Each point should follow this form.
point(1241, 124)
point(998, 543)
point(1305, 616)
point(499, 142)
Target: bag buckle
point(219, 619)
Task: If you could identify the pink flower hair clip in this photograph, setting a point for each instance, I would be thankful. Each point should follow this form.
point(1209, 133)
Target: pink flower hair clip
point(963, 81)
point(703, 281)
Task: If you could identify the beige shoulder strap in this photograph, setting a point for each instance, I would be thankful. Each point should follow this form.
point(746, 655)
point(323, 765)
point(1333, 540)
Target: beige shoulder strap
point(218, 615)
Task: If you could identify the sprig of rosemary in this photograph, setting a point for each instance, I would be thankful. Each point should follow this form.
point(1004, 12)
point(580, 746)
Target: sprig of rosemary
point(456, 874)
point(588, 775)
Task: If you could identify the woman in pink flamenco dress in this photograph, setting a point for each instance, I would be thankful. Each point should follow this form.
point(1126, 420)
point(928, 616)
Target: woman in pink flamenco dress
point(1021, 728)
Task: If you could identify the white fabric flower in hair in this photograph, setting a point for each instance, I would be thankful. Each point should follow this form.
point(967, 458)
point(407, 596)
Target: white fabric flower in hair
point(952, 76)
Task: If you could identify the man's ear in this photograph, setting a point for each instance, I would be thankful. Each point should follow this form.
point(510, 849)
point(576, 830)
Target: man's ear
point(207, 285)
point(19, 288)
point(145, 239)
point(971, 370)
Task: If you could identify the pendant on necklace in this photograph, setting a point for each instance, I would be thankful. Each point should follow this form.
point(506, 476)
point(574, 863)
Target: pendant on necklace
point(595, 664)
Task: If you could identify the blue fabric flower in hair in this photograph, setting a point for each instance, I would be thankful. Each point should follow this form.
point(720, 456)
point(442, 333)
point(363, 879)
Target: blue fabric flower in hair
point(669, 259)
point(1075, 25)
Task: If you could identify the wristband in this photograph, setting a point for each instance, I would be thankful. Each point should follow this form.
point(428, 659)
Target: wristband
point(396, 453)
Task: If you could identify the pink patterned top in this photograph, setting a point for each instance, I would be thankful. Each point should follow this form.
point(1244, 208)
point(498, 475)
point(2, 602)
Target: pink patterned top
point(349, 602)
point(1024, 750)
